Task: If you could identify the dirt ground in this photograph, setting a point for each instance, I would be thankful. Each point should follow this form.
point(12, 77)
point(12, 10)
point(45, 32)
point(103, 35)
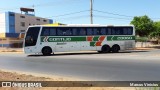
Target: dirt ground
point(14, 76)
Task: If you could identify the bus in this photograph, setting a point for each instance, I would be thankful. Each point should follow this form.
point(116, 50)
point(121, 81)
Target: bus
point(47, 39)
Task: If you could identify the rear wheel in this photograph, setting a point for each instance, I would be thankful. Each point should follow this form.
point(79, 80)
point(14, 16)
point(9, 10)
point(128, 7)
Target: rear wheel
point(46, 51)
point(115, 48)
point(105, 49)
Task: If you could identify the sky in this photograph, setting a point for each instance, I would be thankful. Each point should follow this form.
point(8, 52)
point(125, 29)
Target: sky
point(110, 12)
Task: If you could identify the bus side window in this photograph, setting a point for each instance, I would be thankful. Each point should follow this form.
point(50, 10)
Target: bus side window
point(103, 31)
point(53, 31)
point(130, 31)
point(118, 31)
point(82, 31)
point(89, 31)
point(68, 31)
point(109, 31)
point(59, 32)
point(125, 32)
point(96, 31)
point(75, 31)
point(113, 31)
point(45, 31)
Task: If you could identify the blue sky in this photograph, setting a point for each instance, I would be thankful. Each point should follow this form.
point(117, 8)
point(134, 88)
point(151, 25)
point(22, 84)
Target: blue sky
point(108, 10)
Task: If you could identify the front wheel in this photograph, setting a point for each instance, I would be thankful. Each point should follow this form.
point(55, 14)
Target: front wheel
point(46, 51)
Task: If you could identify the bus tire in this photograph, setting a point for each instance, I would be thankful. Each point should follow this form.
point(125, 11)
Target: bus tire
point(46, 51)
point(99, 51)
point(115, 48)
point(105, 49)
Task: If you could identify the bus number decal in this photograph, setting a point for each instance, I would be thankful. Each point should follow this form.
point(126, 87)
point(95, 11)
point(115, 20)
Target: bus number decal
point(120, 38)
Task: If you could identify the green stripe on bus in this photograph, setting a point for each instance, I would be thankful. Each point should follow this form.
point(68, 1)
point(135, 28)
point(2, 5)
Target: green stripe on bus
point(96, 38)
point(84, 38)
point(92, 43)
point(120, 38)
point(62, 39)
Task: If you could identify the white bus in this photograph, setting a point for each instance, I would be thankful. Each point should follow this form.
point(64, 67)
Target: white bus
point(64, 38)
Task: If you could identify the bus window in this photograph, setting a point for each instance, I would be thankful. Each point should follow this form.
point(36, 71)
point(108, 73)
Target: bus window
point(125, 31)
point(75, 31)
point(45, 31)
point(96, 31)
point(82, 31)
point(109, 31)
point(32, 36)
point(103, 31)
point(59, 32)
point(113, 31)
point(118, 31)
point(63, 31)
point(52, 31)
point(68, 32)
point(89, 31)
point(130, 31)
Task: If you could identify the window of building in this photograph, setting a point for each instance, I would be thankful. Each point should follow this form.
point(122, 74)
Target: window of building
point(44, 20)
point(22, 16)
point(23, 24)
point(11, 14)
point(22, 31)
point(38, 19)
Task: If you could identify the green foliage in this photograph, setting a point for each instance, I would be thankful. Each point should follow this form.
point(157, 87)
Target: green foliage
point(143, 25)
point(156, 32)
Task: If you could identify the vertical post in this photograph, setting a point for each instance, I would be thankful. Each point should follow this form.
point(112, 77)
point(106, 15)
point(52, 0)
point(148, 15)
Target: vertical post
point(34, 10)
point(91, 12)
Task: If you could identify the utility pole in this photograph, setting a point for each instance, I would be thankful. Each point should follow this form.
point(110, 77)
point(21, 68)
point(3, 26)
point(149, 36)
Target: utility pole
point(91, 12)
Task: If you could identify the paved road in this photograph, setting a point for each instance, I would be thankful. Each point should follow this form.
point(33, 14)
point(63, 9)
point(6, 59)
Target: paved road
point(134, 65)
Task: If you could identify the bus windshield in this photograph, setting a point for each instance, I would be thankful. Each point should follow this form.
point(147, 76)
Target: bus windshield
point(32, 36)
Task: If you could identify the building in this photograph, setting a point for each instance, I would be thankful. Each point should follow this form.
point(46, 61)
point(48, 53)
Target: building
point(13, 24)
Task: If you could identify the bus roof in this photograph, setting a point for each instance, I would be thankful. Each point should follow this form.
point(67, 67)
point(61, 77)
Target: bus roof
point(80, 25)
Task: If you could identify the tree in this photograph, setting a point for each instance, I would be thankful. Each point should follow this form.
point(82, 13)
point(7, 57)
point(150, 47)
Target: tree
point(156, 33)
point(143, 25)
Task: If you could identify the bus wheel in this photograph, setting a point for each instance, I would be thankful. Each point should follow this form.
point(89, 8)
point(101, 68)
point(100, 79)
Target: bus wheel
point(99, 51)
point(105, 49)
point(46, 51)
point(115, 48)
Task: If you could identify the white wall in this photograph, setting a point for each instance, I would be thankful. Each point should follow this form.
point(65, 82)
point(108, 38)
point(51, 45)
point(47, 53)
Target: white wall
point(2, 23)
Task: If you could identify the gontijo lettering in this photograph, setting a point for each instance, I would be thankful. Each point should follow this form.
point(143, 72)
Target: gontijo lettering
point(59, 39)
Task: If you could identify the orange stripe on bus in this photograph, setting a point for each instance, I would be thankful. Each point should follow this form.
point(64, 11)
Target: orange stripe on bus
point(89, 38)
point(102, 38)
point(98, 43)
